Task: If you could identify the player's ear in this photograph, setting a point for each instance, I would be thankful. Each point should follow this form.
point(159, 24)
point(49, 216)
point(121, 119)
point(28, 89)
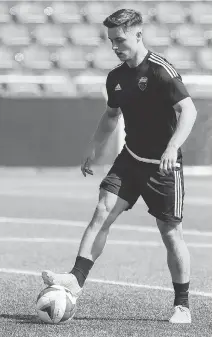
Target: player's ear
point(139, 35)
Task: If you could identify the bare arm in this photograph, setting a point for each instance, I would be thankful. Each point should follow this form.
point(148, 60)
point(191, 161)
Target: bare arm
point(105, 128)
point(186, 120)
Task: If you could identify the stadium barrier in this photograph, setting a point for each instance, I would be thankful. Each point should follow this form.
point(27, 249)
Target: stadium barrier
point(49, 132)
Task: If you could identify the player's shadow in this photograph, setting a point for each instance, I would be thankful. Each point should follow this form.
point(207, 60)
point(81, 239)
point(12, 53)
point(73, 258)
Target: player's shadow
point(23, 319)
point(34, 319)
point(117, 319)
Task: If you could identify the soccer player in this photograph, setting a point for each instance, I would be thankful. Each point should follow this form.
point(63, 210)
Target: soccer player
point(159, 115)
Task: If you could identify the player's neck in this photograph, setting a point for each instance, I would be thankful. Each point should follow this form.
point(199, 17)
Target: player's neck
point(138, 58)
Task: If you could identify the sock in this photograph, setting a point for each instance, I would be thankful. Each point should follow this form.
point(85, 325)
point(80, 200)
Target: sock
point(81, 269)
point(181, 294)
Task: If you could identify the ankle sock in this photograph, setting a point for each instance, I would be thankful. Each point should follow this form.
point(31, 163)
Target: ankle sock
point(81, 269)
point(181, 294)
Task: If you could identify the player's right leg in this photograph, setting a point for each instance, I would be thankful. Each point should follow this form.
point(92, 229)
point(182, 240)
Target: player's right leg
point(119, 191)
point(92, 244)
point(109, 207)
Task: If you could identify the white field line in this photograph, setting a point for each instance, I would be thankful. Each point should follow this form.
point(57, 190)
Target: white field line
point(75, 172)
point(109, 242)
point(101, 281)
point(39, 183)
point(201, 201)
point(83, 224)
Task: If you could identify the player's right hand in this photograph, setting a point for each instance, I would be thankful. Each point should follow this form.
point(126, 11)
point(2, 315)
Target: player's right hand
point(87, 162)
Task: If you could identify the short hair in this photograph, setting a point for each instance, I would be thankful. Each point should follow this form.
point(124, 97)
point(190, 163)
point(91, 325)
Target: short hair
point(125, 17)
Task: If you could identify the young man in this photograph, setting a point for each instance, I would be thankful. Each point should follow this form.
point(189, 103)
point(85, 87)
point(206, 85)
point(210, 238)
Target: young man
point(149, 92)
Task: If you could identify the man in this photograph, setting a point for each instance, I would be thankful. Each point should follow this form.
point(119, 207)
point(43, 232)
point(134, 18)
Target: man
point(150, 93)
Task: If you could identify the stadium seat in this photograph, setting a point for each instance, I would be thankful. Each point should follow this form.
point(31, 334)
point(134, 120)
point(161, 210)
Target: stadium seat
point(58, 83)
point(189, 35)
point(90, 83)
point(63, 12)
point(50, 35)
point(156, 35)
point(13, 35)
point(36, 57)
point(170, 12)
point(104, 57)
point(97, 12)
point(85, 34)
point(204, 58)
point(182, 58)
point(7, 61)
point(29, 12)
point(5, 16)
point(71, 57)
point(21, 88)
point(201, 12)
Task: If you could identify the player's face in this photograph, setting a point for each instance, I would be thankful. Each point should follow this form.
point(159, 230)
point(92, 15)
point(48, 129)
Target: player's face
point(124, 43)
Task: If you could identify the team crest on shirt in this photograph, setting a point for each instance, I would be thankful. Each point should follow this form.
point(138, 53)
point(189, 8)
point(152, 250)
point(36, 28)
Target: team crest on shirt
point(142, 83)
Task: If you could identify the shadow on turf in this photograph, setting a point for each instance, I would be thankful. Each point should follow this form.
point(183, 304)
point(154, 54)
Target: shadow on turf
point(114, 319)
point(23, 319)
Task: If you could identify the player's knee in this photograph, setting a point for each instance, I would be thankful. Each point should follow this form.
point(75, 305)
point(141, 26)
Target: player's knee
point(103, 217)
point(170, 228)
point(101, 212)
point(111, 203)
point(171, 232)
point(108, 211)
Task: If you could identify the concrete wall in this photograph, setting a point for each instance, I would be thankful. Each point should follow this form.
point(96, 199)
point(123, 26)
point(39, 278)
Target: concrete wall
point(54, 132)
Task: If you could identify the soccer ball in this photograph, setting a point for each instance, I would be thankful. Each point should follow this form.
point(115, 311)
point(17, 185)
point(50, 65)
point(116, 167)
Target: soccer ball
point(55, 304)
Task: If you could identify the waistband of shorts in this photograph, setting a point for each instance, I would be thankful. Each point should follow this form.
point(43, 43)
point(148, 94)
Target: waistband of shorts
point(146, 160)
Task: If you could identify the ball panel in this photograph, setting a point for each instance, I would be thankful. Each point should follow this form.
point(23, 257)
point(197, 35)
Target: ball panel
point(71, 298)
point(43, 301)
point(57, 287)
point(47, 298)
point(55, 304)
point(59, 307)
point(69, 304)
point(68, 315)
point(48, 310)
point(43, 315)
point(47, 290)
point(70, 307)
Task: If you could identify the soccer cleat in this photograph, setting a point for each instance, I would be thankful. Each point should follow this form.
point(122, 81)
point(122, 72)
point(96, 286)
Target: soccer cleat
point(66, 280)
point(181, 315)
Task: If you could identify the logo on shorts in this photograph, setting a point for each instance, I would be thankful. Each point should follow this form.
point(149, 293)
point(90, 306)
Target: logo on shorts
point(142, 83)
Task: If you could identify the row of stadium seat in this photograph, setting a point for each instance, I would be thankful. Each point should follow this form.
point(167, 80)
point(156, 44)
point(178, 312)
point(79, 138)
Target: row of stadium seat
point(75, 58)
point(65, 41)
point(85, 34)
point(54, 82)
point(88, 83)
point(75, 12)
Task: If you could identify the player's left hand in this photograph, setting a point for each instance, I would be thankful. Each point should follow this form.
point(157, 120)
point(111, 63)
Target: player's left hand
point(168, 160)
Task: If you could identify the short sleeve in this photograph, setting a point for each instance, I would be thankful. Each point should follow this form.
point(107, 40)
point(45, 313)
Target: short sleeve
point(110, 87)
point(172, 86)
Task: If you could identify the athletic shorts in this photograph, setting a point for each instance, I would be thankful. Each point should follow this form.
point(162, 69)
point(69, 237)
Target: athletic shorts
point(163, 194)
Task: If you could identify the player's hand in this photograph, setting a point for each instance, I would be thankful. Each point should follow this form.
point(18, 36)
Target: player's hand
point(168, 160)
point(87, 161)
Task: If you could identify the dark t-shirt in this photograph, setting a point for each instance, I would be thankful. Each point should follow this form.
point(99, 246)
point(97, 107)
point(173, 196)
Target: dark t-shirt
point(146, 95)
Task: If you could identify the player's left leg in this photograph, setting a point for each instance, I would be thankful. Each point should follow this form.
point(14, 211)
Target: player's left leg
point(164, 195)
point(178, 260)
